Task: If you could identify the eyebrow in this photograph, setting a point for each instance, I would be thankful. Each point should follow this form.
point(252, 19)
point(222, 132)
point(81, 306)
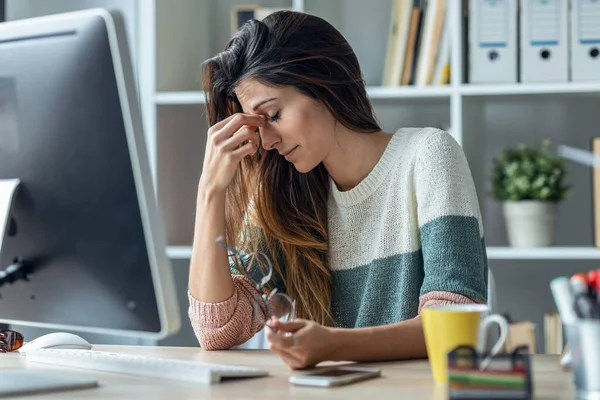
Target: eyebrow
point(257, 105)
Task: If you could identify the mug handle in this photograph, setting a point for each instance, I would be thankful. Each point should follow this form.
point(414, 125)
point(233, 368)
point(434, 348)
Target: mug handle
point(483, 330)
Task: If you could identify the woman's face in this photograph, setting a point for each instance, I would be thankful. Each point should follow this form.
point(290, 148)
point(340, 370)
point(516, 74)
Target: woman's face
point(299, 128)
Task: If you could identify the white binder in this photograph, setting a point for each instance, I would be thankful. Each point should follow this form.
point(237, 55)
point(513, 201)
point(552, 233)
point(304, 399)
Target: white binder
point(585, 40)
point(493, 41)
point(544, 38)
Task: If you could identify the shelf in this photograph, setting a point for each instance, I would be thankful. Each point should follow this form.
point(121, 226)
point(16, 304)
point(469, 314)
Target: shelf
point(493, 253)
point(543, 253)
point(190, 97)
point(529, 88)
point(179, 252)
point(424, 92)
point(374, 92)
point(408, 92)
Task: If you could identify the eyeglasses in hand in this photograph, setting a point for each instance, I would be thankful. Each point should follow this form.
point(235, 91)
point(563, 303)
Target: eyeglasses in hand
point(257, 268)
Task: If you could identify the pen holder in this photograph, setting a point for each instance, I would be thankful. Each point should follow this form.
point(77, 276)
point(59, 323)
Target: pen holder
point(584, 341)
point(508, 376)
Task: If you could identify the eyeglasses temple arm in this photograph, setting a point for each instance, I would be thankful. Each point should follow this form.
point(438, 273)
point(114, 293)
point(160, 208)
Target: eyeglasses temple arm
point(233, 250)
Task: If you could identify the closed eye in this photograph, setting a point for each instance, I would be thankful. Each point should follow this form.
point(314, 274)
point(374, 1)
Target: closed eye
point(274, 118)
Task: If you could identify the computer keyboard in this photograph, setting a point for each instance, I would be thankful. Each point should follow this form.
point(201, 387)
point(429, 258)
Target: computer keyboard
point(155, 367)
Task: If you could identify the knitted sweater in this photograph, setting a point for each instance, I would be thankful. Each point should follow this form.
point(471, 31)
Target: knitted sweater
point(409, 235)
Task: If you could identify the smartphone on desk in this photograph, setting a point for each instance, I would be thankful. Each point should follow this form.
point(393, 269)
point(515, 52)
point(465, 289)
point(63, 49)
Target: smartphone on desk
point(335, 376)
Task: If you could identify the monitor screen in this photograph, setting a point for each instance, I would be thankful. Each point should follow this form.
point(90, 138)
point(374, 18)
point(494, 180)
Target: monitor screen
point(84, 221)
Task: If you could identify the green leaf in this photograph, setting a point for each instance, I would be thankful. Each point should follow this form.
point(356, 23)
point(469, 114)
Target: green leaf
point(529, 173)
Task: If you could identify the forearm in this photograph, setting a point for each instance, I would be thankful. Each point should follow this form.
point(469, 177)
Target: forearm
point(225, 324)
point(210, 278)
point(403, 340)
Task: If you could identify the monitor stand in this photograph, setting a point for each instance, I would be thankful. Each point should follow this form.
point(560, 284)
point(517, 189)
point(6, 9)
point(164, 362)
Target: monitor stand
point(17, 269)
point(8, 188)
point(8, 191)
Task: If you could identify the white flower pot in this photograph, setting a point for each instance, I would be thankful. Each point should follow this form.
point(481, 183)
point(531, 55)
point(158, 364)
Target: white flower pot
point(530, 223)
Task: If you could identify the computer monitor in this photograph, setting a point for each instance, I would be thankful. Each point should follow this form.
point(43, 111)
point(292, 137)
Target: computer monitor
point(84, 223)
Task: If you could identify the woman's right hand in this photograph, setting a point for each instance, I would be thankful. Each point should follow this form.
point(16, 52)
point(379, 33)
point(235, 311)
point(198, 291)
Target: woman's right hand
point(228, 142)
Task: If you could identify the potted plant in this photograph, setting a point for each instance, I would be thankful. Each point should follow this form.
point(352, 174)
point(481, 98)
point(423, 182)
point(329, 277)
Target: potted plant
point(529, 181)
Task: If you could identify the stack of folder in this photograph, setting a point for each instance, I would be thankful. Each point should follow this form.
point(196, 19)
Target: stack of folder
point(550, 41)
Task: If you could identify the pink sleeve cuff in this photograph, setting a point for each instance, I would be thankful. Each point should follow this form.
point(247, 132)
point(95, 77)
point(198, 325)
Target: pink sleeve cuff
point(228, 323)
point(213, 315)
point(441, 298)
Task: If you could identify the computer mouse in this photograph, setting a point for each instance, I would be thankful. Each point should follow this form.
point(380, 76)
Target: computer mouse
point(56, 340)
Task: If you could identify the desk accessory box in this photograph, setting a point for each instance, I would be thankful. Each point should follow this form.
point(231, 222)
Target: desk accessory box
point(508, 375)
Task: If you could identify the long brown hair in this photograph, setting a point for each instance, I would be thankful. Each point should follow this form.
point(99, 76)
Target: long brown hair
point(288, 208)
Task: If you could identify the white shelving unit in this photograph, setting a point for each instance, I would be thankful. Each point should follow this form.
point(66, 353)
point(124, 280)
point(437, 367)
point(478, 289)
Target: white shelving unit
point(493, 253)
point(179, 252)
point(399, 93)
point(482, 118)
point(172, 98)
point(543, 253)
point(530, 89)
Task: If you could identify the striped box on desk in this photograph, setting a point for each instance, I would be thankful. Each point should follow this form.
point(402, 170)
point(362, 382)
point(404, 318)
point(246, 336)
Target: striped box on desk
point(508, 376)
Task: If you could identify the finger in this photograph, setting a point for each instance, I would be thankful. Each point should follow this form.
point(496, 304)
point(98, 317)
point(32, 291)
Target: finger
point(219, 125)
point(222, 123)
point(288, 326)
point(284, 340)
point(235, 123)
point(285, 345)
point(280, 339)
point(289, 348)
point(290, 358)
point(244, 150)
point(241, 136)
point(275, 338)
point(295, 358)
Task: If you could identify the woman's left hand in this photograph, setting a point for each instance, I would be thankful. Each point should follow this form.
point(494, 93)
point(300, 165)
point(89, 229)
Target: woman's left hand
point(301, 343)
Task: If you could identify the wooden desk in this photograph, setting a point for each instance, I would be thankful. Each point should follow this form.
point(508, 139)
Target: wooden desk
point(400, 380)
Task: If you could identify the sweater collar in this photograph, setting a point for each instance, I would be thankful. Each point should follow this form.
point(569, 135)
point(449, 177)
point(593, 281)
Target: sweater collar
point(372, 181)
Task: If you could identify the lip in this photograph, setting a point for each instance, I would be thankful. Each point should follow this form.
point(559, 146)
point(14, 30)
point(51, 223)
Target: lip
point(290, 153)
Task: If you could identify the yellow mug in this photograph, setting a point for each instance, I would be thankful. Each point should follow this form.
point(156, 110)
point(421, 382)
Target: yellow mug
point(449, 326)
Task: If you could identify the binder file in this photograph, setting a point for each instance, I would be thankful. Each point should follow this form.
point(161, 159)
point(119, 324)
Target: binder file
point(493, 41)
point(544, 40)
point(585, 40)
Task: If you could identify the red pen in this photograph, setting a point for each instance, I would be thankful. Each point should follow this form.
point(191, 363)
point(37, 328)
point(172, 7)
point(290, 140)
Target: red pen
point(593, 282)
point(596, 287)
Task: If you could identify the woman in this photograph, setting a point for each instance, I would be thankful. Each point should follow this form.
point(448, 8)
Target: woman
point(364, 228)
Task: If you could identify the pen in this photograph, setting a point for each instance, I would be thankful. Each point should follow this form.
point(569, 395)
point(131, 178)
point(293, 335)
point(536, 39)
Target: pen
point(563, 298)
point(594, 283)
point(585, 305)
point(592, 278)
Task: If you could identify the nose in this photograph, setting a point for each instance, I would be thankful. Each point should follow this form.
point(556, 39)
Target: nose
point(268, 137)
